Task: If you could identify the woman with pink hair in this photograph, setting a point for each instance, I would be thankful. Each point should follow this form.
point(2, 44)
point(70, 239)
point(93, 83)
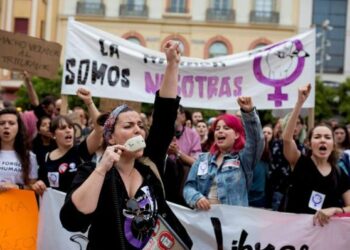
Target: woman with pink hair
point(224, 175)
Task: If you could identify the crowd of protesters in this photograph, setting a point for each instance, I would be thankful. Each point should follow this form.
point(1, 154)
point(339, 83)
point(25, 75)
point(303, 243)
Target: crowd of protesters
point(228, 159)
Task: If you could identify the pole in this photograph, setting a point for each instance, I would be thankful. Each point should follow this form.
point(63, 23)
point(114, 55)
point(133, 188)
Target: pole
point(311, 118)
point(323, 52)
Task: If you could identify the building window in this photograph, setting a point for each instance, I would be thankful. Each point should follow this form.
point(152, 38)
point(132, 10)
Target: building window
point(217, 49)
point(177, 6)
point(135, 8)
point(136, 3)
point(221, 4)
point(134, 40)
point(220, 10)
point(42, 29)
point(217, 46)
point(259, 43)
point(264, 11)
point(135, 37)
point(336, 13)
point(264, 7)
point(90, 7)
point(21, 25)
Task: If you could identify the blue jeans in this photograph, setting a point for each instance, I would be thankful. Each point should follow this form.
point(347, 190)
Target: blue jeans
point(276, 200)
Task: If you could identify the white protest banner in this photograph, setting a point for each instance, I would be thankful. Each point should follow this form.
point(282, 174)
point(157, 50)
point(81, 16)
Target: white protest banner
point(115, 68)
point(51, 234)
point(236, 228)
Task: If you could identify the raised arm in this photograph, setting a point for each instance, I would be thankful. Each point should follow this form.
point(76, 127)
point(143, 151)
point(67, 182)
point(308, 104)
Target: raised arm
point(33, 97)
point(290, 149)
point(254, 145)
point(94, 138)
point(165, 109)
point(168, 88)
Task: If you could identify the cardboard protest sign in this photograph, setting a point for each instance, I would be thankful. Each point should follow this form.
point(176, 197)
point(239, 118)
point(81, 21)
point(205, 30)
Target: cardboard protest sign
point(18, 220)
point(37, 56)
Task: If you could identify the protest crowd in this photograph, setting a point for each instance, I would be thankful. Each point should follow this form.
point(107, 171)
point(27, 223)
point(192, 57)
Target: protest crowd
point(118, 190)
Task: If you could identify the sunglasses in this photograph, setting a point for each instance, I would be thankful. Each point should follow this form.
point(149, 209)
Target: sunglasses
point(141, 221)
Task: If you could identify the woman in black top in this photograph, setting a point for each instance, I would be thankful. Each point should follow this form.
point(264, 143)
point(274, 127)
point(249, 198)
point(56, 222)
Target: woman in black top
point(60, 165)
point(121, 196)
point(43, 141)
point(318, 184)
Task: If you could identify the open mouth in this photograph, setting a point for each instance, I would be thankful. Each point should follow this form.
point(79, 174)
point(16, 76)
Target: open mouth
point(322, 149)
point(220, 139)
point(68, 137)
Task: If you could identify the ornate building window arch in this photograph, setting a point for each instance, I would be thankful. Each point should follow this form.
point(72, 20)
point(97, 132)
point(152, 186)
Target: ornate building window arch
point(259, 42)
point(134, 36)
point(215, 43)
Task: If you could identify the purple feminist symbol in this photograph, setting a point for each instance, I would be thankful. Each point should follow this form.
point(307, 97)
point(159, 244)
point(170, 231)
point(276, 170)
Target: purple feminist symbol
point(145, 210)
point(278, 96)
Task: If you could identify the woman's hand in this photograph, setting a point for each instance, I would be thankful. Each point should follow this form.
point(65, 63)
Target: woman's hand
point(4, 186)
point(110, 158)
point(39, 187)
point(26, 76)
point(172, 52)
point(84, 95)
point(173, 148)
point(203, 204)
point(303, 93)
point(322, 216)
point(246, 103)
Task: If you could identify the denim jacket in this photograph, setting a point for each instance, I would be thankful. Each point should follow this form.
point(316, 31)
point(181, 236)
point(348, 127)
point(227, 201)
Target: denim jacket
point(234, 176)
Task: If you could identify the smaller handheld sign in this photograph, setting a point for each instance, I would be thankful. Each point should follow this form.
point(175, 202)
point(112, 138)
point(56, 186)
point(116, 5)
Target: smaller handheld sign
point(22, 52)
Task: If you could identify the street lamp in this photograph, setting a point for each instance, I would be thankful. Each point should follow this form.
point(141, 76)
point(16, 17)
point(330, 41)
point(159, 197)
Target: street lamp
point(323, 45)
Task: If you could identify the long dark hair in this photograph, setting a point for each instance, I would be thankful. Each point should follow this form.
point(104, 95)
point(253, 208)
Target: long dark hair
point(21, 145)
point(333, 157)
point(266, 155)
point(346, 143)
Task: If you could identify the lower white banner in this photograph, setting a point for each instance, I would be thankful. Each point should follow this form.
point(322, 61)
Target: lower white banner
point(223, 227)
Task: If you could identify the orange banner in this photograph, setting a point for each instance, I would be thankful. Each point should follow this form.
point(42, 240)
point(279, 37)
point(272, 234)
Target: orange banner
point(18, 220)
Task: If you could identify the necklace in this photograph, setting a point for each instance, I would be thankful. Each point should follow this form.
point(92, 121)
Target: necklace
point(128, 175)
point(132, 170)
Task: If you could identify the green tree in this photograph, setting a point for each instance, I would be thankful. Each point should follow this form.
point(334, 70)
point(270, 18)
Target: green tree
point(324, 103)
point(344, 100)
point(45, 87)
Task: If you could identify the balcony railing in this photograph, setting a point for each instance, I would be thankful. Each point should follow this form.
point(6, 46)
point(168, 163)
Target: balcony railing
point(220, 14)
point(134, 10)
point(264, 16)
point(88, 8)
point(176, 9)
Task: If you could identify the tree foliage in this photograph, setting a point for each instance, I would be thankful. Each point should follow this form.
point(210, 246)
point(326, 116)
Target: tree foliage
point(344, 98)
point(324, 97)
point(45, 87)
point(332, 102)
